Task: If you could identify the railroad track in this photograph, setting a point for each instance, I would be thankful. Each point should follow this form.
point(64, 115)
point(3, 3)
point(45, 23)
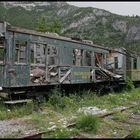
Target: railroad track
point(103, 115)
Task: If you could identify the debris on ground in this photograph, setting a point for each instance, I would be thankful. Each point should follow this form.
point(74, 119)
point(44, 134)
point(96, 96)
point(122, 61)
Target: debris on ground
point(92, 110)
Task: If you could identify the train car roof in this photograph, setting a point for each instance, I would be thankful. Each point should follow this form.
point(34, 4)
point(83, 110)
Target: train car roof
point(49, 35)
point(37, 33)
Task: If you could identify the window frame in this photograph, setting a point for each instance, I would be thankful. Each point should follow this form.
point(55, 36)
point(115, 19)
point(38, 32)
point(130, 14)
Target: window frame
point(18, 51)
point(2, 47)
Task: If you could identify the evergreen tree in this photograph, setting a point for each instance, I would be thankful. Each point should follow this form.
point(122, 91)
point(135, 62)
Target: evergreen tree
point(42, 24)
point(55, 25)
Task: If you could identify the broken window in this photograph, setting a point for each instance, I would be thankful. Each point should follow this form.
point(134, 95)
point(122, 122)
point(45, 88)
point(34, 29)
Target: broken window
point(52, 53)
point(21, 52)
point(77, 57)
point(116, 62)
point(98, 59)
point(1, 50)
point(1, 55)
point(110, 54)
point(37, 53)
point(135, 63)
point(38, 61)
point(88, 58)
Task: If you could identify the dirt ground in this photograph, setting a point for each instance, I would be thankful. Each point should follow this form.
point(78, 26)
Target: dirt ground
point(15, 128)
point(114, 128)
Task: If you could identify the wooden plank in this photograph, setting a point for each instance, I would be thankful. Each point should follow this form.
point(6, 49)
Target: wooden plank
point(96, 55)
point(46, 62)
point(65, 76)
point(2, 47)
point(109, 73)
point(34, 49)
point(38, 65)
point(17, 101)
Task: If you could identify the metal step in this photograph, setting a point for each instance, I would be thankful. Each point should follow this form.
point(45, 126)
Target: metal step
point(17, 101)
point(19, 92)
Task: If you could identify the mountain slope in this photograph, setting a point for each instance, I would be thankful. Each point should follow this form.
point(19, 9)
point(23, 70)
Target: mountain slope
point(100, 26)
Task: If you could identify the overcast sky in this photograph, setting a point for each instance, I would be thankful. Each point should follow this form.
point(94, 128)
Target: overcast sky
point(121, 8)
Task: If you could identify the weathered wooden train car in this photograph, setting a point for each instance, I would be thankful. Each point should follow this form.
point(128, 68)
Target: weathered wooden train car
point(133, 68)
point(30, 59)
point(126, 64)
point(116, 61)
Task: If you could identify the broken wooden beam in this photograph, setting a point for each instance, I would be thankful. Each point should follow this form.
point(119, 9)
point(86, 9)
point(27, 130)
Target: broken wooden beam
point(65, 76)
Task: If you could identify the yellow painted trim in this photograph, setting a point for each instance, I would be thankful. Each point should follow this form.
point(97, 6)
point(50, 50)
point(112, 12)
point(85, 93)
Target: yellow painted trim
point(84, 75)
point(134, 70)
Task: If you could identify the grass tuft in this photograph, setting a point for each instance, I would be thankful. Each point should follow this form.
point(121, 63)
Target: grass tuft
point(15, 111)
point(88, 123)
point(135, 133)
point(62, 133)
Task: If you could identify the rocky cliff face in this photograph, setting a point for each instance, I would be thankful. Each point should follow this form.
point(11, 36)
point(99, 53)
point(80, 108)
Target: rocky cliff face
point(100, 26)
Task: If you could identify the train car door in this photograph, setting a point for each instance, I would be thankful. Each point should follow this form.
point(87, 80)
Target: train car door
point(19, 75)
point(44, 60)
point(52, 63)
point(38, 63)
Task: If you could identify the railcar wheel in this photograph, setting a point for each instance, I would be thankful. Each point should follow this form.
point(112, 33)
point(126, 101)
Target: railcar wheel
point(100, 90)
point(40, 98)
point(111, 89)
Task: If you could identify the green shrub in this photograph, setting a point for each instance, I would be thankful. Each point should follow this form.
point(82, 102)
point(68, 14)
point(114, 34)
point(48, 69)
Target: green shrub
point(135, 133)
point(56, 99)
point(60, 100)
point(129, 84)
point(88, 123)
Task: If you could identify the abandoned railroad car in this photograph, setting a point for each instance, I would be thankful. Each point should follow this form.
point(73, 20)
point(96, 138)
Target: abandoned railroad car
point(30, 59)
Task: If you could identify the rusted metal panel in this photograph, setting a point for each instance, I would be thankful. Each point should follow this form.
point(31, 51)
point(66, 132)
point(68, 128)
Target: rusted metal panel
point(19, 76)
point(81, 75)
point(22, 75)
point(66, 56)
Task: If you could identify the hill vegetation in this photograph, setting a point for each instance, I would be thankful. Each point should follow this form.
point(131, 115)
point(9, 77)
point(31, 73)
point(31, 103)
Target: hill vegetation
point(100, 26)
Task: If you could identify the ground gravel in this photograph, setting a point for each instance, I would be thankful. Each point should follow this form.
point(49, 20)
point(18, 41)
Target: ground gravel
point(15, 128)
